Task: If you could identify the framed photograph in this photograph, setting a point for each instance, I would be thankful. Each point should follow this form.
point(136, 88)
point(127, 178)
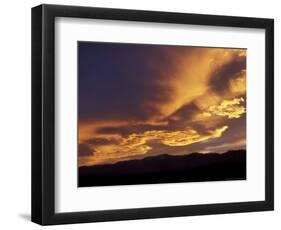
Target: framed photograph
point(141, 114)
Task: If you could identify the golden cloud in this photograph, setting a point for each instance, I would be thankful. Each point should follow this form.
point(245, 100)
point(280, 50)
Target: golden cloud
point(227, 108)
point(137, 144)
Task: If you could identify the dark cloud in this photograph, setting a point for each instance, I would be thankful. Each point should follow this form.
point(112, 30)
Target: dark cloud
point(85, 150)
point(183, 113)
point(101, 141)
point(222, 75)
point(128, 129)
point(113, 83)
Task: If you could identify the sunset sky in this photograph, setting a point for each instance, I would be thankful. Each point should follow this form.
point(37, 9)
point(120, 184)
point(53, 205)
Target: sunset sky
point(140, 100)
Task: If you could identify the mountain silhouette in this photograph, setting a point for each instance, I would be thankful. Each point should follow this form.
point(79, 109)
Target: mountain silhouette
point(166, 168)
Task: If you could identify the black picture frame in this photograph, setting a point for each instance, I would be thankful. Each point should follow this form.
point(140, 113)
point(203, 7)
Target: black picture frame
point(43, 110)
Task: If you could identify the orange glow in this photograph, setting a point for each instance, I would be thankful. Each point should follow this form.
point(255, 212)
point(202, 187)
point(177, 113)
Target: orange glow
point(191, 83)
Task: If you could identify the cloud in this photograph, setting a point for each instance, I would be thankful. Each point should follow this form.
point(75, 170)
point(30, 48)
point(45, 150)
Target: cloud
point(237, 85)
point(124, 130)
point(85, 150)
point(101, 141)
point(138, 100)
point(183, 138)
point(227, 108)
point(119, 81)
point(138, 143)
point(148, 83)
point(226, 72)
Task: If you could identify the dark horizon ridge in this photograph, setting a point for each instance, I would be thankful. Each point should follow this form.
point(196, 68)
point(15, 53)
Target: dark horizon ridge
point(167, 168)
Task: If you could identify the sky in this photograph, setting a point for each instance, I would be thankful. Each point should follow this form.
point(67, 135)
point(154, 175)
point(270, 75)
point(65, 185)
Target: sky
point(140, 100)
